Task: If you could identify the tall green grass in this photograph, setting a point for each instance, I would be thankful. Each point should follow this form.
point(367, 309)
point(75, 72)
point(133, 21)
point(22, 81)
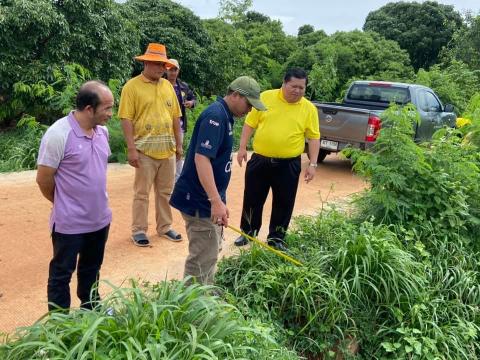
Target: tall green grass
point(353, 277)
point(361, 281)
point(19, 148)
point(168, 320)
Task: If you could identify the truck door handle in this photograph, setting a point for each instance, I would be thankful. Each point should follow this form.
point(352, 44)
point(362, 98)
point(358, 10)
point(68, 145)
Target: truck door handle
point(330, 111)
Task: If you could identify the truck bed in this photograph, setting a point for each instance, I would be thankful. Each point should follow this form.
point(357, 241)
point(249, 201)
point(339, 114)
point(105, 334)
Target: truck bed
point(344, 123)
point(356, 121)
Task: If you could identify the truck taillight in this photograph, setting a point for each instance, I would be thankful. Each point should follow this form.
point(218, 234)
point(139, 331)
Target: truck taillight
point(374, 125)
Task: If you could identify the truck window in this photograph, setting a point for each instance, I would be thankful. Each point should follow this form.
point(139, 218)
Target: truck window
point(428, 102)
point(378, 93)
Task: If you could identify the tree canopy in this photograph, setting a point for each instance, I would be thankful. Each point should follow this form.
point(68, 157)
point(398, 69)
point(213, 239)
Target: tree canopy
point(181, 31)
point(345, 56)
point(41, 39)
point(305, 29)
point(420, 28)
point(465, 44)
point(38, 35)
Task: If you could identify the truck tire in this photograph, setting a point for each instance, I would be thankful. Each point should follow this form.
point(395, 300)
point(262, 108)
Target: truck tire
point(322, 154)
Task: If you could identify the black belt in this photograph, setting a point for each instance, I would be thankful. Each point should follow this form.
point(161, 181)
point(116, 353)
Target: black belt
point(276, 160)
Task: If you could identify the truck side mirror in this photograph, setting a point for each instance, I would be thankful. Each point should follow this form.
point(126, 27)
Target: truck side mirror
point(448, 108)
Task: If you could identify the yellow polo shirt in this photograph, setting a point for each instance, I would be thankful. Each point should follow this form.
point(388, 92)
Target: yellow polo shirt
point(282, 129)
point(151, 107)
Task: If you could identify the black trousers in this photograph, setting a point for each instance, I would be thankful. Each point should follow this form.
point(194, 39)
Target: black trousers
point(89, 248)
point(261, 175)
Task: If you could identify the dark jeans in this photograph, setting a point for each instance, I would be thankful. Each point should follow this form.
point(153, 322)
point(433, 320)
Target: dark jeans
point(89, 248)
point(261, 175)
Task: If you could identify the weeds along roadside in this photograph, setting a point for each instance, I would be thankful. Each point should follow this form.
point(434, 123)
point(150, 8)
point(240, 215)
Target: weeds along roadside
point(19, 147)
point(167, 320)
point(353, 278)
point(400, 275)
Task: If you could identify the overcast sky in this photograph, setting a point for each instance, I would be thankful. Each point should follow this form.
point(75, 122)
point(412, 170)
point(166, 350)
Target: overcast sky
point(329, 16)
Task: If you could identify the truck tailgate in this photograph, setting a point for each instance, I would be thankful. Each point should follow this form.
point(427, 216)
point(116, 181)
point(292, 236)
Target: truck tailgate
point(342, 124)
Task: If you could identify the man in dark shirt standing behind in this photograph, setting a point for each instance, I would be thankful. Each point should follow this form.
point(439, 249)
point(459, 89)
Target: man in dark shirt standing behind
point(186, 99)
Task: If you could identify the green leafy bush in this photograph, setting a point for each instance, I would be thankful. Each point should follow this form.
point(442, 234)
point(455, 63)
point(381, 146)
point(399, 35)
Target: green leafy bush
point(47, 101)
point(401, 276)
point(471, 132)
point(454, 84)
point(425, 188)
point(429, 196)
point(43, 103)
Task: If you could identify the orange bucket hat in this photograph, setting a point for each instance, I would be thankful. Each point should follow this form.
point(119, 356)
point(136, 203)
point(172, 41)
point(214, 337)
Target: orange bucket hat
point(156, 53)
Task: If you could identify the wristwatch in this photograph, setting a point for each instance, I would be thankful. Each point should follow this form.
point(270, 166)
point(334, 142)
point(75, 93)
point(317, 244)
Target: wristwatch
point(313, 165)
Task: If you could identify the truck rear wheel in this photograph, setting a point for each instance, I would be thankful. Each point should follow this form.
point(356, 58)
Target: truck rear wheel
point(322, 154)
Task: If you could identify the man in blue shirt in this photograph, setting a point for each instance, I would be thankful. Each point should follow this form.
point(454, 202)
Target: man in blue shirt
point(200, 192)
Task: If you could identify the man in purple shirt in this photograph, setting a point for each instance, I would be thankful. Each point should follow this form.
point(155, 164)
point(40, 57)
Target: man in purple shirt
point(72, 174)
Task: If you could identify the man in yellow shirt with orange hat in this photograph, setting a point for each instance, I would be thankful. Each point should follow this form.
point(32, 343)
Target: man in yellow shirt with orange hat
point(150, 116)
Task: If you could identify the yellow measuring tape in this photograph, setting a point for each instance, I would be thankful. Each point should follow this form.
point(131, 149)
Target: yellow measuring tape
point(269, 248)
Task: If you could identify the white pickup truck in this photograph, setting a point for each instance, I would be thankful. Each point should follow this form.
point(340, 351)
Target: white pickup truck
point(356, 121)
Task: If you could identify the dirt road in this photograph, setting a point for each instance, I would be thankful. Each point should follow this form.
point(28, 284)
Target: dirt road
point(26, 246)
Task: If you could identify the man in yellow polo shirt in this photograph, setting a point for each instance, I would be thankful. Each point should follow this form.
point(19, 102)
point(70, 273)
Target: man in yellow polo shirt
point(150, 116)
point(279, 140)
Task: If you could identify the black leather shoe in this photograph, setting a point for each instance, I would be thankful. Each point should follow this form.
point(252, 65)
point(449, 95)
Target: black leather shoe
point(277, 244)
point(241, 241)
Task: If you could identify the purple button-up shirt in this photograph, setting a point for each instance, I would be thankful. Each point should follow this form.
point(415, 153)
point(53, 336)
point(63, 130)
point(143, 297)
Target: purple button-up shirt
point(80, 201)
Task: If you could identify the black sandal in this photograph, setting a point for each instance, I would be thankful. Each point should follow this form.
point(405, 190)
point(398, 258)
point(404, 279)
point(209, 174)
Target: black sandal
point(172, 235)
point(140, 239)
